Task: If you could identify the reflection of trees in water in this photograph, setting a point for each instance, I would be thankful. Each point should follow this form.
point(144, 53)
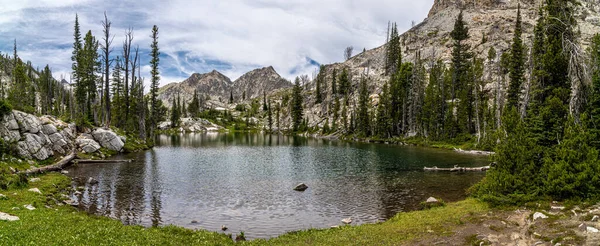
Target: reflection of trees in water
point(129, 191)
point(155, 190)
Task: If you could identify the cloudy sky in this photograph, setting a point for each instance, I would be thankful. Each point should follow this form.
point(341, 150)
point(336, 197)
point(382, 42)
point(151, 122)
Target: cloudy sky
point(231, 36)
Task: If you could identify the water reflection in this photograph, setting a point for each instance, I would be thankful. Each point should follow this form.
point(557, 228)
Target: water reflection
point(244, 181)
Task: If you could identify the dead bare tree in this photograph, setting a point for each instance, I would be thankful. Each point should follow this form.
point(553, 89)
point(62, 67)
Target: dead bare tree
point(106, 50)
point(126, 60)
point(348, 52)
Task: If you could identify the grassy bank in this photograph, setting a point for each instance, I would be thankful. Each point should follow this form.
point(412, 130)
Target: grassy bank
point(51, 224)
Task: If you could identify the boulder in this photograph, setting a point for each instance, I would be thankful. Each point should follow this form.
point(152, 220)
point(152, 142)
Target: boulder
point(432, 200)
point(33, 147)
point(49, 129)
point(538, 215)
point(35, 190)
point(590, 229)
point(8, 217)
point(108, 139)
point(347, 221)
point(87, 145)
point(29, 207)
point(301, 187)
point(33, 180)
point(27, 122)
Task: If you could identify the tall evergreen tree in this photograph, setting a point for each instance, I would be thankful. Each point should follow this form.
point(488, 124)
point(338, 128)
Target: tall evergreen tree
point(461, 87)
point(517, 63)
point(363, 109)
point(270, 116)
point(155, 79)
point(344, 83)
point(593, 107)
point(194, 107)
point(297, 109)
point(319, 82)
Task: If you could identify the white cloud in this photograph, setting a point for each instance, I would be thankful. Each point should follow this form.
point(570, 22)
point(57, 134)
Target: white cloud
point(232, 36)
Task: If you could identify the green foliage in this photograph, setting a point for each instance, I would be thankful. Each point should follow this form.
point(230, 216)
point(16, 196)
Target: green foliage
point(517, 63)
point(515, 178)
point(319, 83)
point(393, 58)
point(241, 107)
point(155, 79)
point(344, 83)
point(5, 109)
point(572, 167)
point(296, 108)
point(363, 110)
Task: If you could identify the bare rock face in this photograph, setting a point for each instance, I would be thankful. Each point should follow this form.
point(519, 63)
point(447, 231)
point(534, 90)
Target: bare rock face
point(216, 88)
point(255, 83)
point(214, 84)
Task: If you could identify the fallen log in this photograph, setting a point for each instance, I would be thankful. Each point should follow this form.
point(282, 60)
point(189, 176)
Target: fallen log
point(60, 165)
point(457, 169)
point(84, 161)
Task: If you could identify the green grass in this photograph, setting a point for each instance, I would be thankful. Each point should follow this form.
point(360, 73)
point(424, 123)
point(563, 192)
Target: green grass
point(63, 225)
point(401, 229)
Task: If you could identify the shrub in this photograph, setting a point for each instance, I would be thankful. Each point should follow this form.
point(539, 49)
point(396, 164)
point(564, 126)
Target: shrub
point(5, 109)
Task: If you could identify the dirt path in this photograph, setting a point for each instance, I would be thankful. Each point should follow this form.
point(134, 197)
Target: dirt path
point(553, 225)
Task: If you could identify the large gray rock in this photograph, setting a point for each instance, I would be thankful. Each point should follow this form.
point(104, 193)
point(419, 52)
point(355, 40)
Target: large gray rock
point(87, 145)
point(108, 139)
point(9, 129)
point(27, 122)
point(49, 129)
point(33, 147)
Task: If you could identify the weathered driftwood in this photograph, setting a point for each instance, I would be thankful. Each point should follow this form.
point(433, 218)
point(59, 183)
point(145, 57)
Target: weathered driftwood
point(60, 165)
point(83, 161)
point(457, 169)
point(474, 152)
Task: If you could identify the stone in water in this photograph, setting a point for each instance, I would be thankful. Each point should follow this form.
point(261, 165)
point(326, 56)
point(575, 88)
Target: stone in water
point(301, 187)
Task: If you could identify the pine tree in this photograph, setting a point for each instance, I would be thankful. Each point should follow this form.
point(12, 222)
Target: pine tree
point(118, 99)
point(593, 106)
point(297, 110)
point(270, 116)
point(320, 79)
point(393, 52)
point(383, 118)
point(194, 107)
point(363, 109)
point(334, 82)
point(461, 88)
point(517, 63)
point(154, 81)
point(344, 83)
point(265, 106)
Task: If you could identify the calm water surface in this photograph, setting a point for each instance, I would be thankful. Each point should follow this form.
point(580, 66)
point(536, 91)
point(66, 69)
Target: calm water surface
point(245, 181)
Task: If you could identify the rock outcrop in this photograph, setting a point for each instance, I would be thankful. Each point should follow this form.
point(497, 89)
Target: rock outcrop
point(42, 137)
point(192, 125)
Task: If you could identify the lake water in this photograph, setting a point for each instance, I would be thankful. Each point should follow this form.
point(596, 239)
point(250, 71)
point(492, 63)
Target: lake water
point(245, 182)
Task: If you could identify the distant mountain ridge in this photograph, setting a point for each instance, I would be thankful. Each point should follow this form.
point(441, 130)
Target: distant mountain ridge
point(219, 87)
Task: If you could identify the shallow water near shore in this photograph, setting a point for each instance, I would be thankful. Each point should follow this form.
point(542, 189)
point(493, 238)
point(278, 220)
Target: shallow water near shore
point(245, 181)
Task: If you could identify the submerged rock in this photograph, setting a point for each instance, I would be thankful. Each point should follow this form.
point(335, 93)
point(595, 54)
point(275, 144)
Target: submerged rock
point(347, 221)
point(92, 181)
point(301, 187)
point(223, 228)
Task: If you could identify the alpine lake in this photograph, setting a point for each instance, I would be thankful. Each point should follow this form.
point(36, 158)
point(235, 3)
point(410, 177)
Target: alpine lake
point(245, 181)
